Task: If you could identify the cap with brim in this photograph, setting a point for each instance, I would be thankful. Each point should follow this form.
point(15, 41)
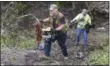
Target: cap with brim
point(53, 6)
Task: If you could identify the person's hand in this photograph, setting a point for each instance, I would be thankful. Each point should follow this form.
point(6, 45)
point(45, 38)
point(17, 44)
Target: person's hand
point(59, 28)
point(41, 21)
point(71, 21)
point(34, 24)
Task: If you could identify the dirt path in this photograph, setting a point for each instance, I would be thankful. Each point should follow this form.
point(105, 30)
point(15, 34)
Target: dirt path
point(31, 57)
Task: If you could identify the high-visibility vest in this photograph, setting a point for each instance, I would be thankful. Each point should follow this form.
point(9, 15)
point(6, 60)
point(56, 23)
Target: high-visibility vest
point(82, 20)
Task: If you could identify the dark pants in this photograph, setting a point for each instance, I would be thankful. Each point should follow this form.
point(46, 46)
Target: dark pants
point(61, 38)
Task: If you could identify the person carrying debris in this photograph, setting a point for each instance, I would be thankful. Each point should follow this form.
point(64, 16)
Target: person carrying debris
point(57, 29)
point(82, 20)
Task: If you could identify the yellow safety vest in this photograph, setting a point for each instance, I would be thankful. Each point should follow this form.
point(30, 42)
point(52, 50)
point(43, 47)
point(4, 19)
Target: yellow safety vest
point(82, 20)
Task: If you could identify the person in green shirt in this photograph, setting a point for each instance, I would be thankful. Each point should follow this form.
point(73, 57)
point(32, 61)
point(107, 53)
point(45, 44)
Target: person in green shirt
point(82, 20)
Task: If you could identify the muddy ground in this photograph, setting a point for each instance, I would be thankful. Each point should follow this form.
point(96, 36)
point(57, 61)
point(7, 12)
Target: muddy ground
point(16, 56)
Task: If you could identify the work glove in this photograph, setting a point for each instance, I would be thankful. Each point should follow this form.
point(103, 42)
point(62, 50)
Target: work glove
point(41, 21)
point(73, 24)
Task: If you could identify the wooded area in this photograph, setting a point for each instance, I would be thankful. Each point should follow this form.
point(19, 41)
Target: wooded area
point(18, 35)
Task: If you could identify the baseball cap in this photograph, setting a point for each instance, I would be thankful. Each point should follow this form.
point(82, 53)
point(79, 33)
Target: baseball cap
point(53, 6)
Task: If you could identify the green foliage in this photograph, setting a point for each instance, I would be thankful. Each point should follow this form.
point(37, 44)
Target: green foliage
point(27, 43)
point(21, 39)
point(21, 7)
point(22, 43)
point(7, 41)
point(63, 3)
point(99, 57)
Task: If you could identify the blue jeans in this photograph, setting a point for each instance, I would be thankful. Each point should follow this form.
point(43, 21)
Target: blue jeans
point(61, 38)
point(84, 35)
point(41, 45)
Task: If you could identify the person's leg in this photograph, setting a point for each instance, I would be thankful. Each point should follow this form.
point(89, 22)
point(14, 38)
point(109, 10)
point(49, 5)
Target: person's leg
point(61, 41)
point(47, 48)
point(85, 43)
point(84, 32)
point(78, 32)
point(77, 47)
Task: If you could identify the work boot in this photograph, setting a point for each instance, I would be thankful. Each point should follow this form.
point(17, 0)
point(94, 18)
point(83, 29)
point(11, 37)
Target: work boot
point(65, 58)
point(80, 55)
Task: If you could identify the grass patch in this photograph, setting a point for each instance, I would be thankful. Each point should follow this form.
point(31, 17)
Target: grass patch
point(99, 57)
point(26, 42)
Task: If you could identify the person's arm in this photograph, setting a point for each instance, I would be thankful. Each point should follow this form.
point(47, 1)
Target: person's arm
point(41, 21)
point(76, 18)
point(46, 20)
point(73, 20)
point(37, 22)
